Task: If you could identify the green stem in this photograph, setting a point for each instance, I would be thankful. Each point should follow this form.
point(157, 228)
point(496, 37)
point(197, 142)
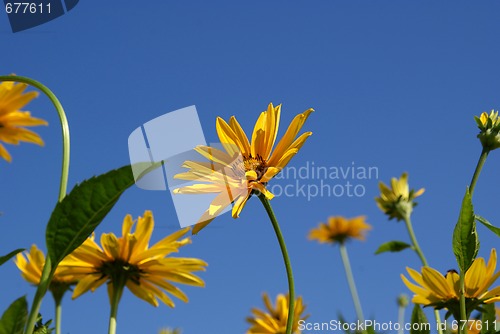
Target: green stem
point(479, 167)
point(47, 271)
point(463, 311)
point(352, 284)
point(58, 301)
point(115, 301)
point(420, 254)
point(401, 319)
point(286, 259)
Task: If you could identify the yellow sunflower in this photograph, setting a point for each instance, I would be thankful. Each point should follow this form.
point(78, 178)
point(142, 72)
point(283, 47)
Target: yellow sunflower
point(145, 271)
point(273, 319)
point(397, 201)
point(244, 167)
point(434, 289)
point(13, 120)
point(340, 229)
point(31, 265)
point(489, 126)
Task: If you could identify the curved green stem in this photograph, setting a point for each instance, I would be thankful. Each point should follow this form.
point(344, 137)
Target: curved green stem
point(477, 171)
point(115, 301)
point(48, 271)
point(420, 254)
point(286, 259)
point(352, 284)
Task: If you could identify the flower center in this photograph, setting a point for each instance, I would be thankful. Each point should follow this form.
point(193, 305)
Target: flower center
point(120, 270)
point(256, 164)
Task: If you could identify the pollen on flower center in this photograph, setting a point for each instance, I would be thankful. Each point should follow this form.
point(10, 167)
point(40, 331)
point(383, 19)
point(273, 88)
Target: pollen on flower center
point(256, 164)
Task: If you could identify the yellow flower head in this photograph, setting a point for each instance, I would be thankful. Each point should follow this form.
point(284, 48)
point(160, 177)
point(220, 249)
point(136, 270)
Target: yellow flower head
point(340, 229)
point(489, 126)
point(146, 271)
point(397, 201)
point(434, 289)
point(13, 120)
point(31, 265)
point(273, 319)
point(245, 167)
point(169, 331)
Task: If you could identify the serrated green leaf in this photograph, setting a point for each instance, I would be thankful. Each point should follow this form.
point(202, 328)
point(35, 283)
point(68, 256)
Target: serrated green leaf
point(465, 239)
point(486, 223)
point(392, 246)
point(83, 209)
point(418, 317)
point(488, 319)
point(7, 257)
point(14, 318)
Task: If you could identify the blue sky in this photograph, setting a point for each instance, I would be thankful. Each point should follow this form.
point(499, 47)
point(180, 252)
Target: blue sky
point(395, 85)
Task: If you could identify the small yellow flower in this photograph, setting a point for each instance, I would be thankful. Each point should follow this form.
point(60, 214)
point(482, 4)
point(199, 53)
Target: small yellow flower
point(397, 201)
point(31, 265)
point(434, 289)
point(169, 331)
point(13, 120)
point(273, 319)
point(244, 168)
point(489, 126)
point(146, 271)
point(340, 229)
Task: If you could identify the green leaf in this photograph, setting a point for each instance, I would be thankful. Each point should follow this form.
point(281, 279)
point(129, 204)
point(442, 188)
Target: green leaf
point(7, 257)
point(392, 246)
point(488, 319)
point(465, 239)
point(14, 318)
point(486, 223)
point(418, 317)
point(83, 209)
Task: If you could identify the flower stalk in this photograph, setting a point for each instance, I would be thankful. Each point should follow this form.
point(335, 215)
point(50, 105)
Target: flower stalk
point(48, 271)
point(286, 259)
point(352, 284)
point(118, 287)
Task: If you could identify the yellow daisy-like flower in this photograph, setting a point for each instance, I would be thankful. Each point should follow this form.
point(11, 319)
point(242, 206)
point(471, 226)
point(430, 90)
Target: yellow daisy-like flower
point(434, 289)
point(273, 319)
point(31, 265)
point(13, 120)
point(169, 331)
point(489, 126)
point(340, 229)
point(245, 167)
point(397, 201)
point(129, 260)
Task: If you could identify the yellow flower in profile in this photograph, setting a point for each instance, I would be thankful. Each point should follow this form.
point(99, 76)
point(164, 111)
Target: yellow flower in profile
point(434, 289)
point(13, 120)
point(340, 229)
point(273, 319)
point(169, 331)
point(129, 261)
point(489, 126)
point(31, 265)
point(397, 201)
point(245, 167)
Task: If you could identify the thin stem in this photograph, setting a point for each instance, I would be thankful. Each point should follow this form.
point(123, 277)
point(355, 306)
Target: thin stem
point(47, 271)
point(401, 319)
point(286, 259)
point(350, 281)
point(420, 254)
point(115, 301)
point(58, 302)
point(477, 171)
point(463, 312)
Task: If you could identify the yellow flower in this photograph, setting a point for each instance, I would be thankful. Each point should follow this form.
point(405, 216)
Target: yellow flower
point(146, 271)
point(169, 331)
point(273, 319)
point(13, 120)
point(31, 265)
point(244, 168)
point(434, 289)
point(339, 229)
point(397, 201)
point(489, 126)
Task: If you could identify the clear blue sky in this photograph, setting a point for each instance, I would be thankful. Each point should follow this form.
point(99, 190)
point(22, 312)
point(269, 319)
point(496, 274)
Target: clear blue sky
point(395, 85)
